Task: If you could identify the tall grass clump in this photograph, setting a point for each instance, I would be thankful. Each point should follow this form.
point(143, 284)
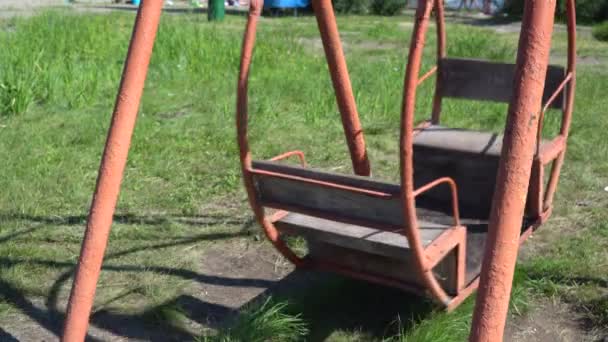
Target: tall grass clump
point(59, 59)
point(70, 61)
point(466, 41)
point(17, 84)
point(269, 322)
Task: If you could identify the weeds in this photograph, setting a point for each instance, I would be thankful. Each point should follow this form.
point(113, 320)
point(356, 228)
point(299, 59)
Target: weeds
point(269, 322)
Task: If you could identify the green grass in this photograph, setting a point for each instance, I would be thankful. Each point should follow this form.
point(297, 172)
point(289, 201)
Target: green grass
point(268, 322)
point(182, 190)
point(600, 31)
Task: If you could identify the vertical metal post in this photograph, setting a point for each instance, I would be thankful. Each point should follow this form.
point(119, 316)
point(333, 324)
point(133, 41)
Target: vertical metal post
point(441, 54)
point(111, 171)
point(326, 20)
point(569, 106)
point(406, 151)
point(514, 172)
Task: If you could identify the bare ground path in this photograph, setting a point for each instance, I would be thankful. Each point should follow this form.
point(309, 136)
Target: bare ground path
point(234, 273)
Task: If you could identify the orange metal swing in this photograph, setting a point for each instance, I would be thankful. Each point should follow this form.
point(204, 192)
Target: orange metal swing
point(409, 235)
point(427, 234)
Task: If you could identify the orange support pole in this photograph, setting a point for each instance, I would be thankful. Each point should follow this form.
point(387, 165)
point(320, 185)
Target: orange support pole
point(514, 172)
point(326, 20)
point(111, 171)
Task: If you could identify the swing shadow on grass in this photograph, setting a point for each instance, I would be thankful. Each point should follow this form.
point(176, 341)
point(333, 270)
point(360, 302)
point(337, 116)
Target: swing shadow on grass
point(315, 304)
point(304, 305)
point(337, 308)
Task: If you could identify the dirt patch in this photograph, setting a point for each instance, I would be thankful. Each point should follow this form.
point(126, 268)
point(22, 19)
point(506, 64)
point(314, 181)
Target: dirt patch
point(244, 270)
point(231, 274)
point(547, 322)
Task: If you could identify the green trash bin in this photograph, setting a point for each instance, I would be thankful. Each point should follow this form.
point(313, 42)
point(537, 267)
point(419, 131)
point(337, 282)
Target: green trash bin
point(216, 10)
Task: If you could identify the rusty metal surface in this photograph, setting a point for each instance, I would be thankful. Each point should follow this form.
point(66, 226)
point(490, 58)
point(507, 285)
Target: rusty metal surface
point(441, 53)
point(453, 189)
point(367, 192)
point(423, 13)
point(289, 154)
point(428, 74)
point(334, 54)
point(111, 170)
point(568, 108)
point(514, 172)
point(556, 93)
point(255, 9)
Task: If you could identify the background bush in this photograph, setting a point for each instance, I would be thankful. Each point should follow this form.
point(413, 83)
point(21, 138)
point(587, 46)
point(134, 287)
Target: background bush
point(377, 7)
point(587, 11)
point(352, 6)
point(387, 7)
point(600, 31)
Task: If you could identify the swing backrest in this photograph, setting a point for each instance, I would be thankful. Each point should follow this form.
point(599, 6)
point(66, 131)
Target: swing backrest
point(490, 81)
point(343, 198)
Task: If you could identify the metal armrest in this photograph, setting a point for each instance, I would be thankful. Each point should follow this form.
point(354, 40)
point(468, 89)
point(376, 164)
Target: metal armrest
point(551, 150)
point(551, 99)
point(285, 155)
point(454, 190)
point(427, 75)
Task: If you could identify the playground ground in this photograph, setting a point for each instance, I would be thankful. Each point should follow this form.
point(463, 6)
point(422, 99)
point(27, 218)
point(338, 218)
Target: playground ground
point(185, 259)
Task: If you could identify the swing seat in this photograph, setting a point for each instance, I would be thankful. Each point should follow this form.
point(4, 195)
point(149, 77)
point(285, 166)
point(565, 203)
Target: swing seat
point(471, 159)
point(426, 240)
point(357, 222)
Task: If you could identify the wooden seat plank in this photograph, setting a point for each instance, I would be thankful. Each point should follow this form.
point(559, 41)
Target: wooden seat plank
point(391, 244)
point(462, 140)
point(469, 157)
point(338, 204)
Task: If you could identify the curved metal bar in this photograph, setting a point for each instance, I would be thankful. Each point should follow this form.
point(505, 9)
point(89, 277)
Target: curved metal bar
point(326, 20)
point(556, 93)
point(454, 190)
point(441, 53)
point(427, 75)
point(410, 222)
point(286, 155)
point(568, 108)
point(270, 230)
point(541, 119)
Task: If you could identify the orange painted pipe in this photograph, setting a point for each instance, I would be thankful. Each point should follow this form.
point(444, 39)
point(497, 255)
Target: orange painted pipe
point(242, 118)
point(569, 106)
point(406, 153)
point(111, 171)
point(441, 54)
point(326, 20)
point(514, 172)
